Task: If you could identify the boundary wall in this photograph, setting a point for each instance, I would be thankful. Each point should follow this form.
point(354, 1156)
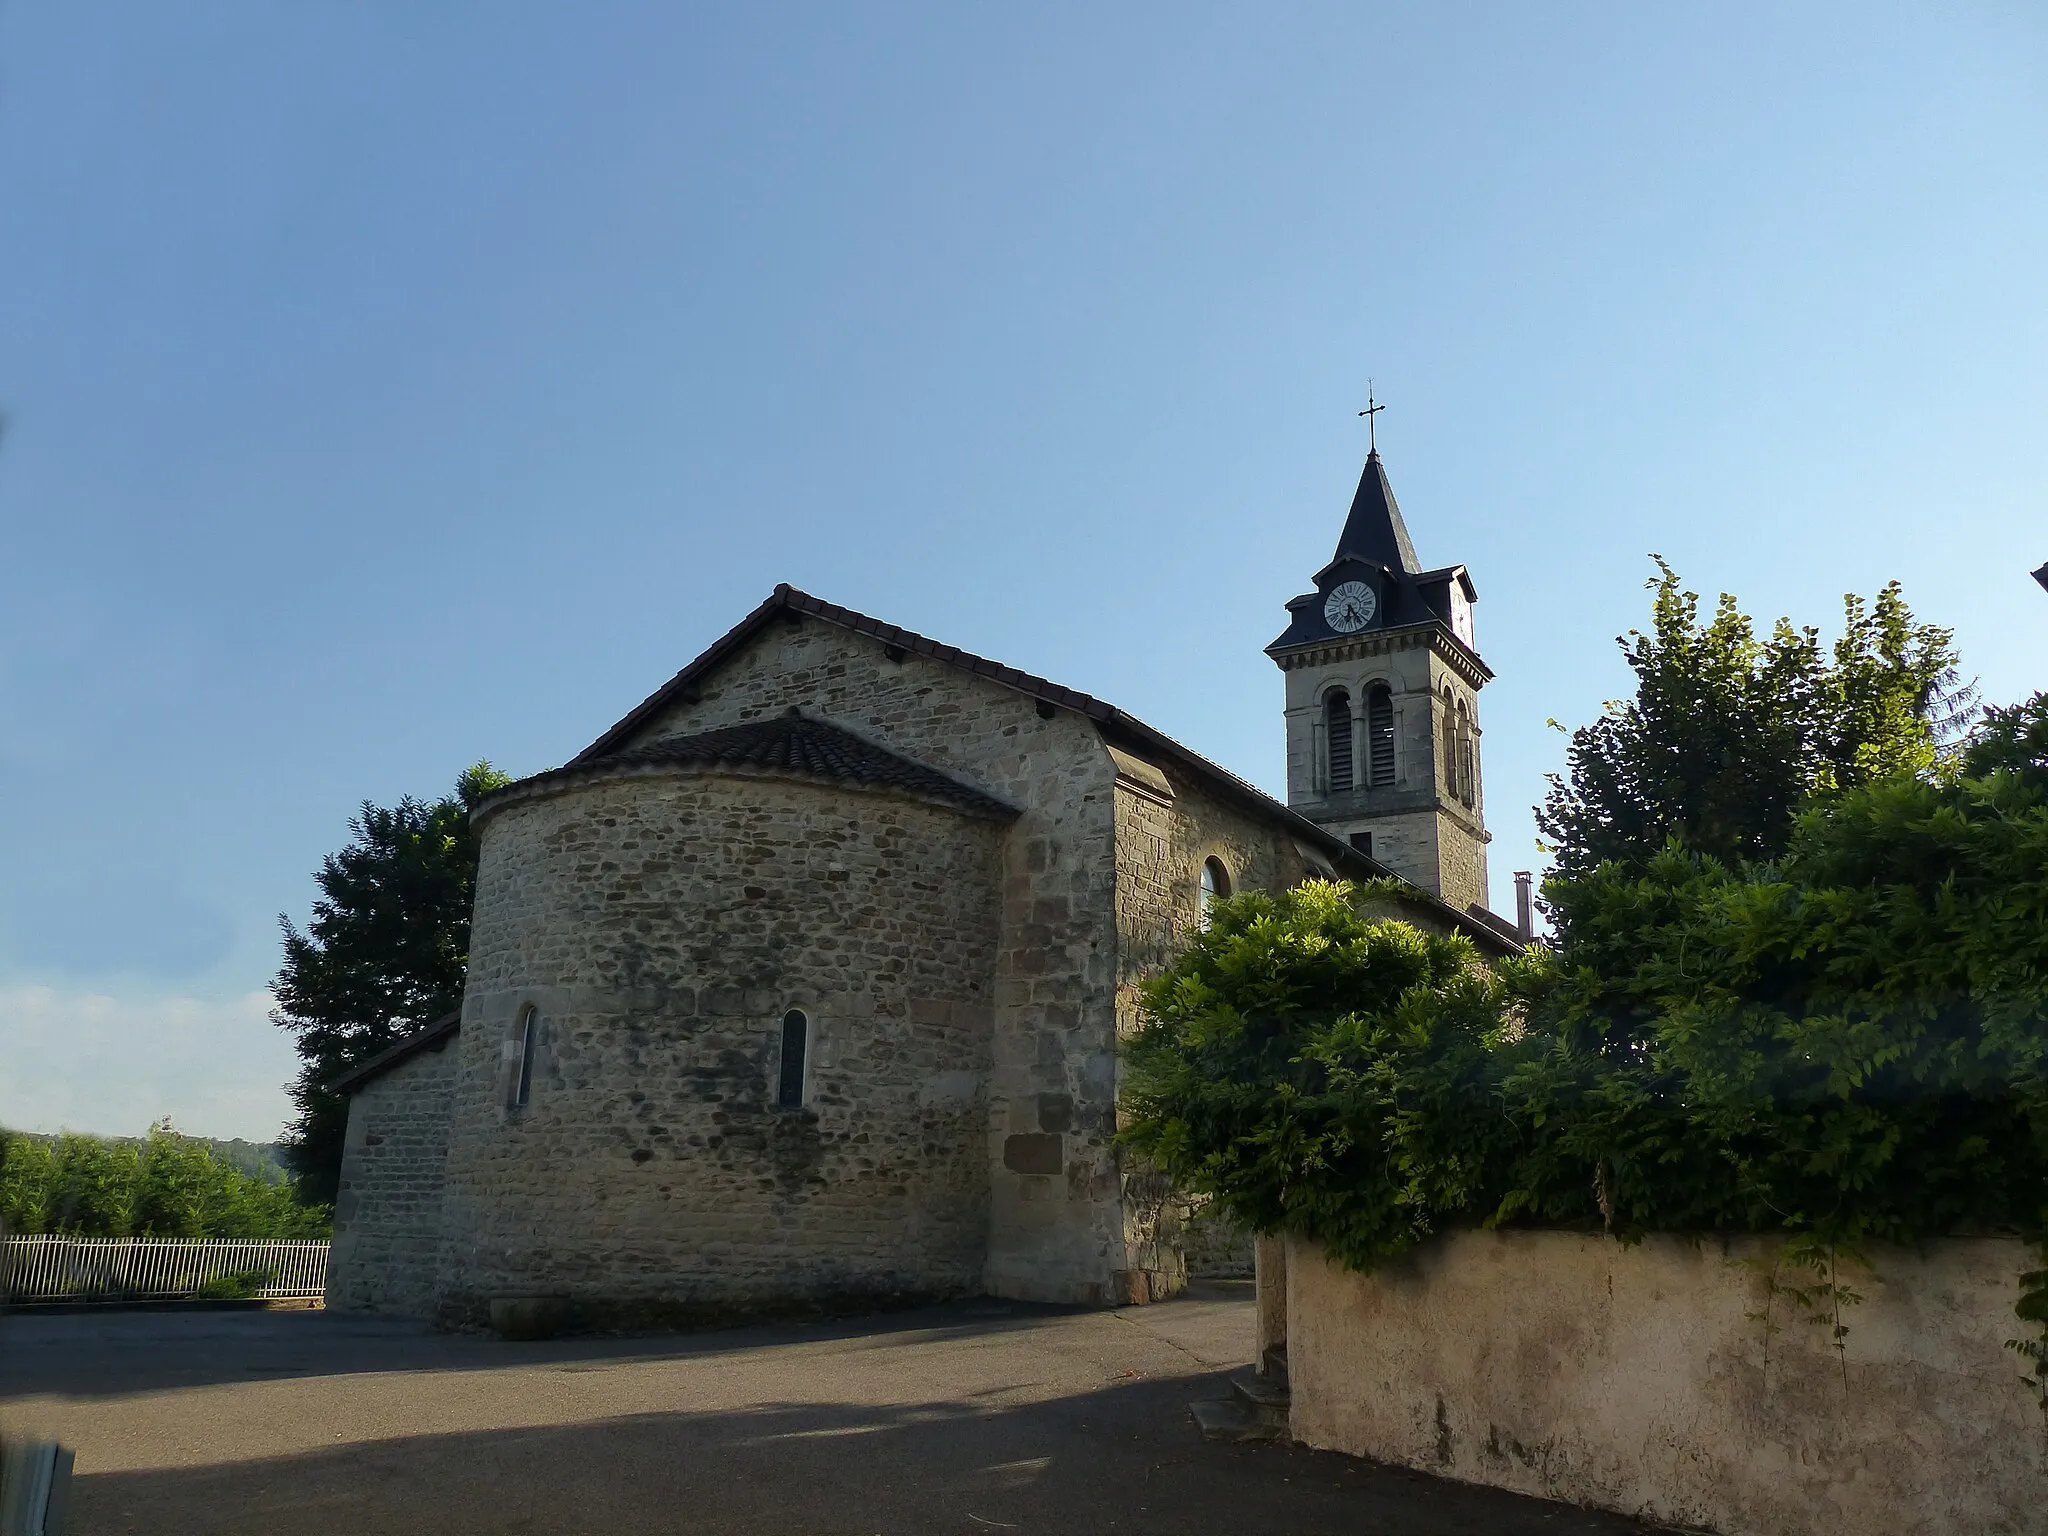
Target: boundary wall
point(1636, 1379)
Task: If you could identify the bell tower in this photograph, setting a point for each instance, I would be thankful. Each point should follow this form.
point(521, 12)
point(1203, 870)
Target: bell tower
point(1383, 683)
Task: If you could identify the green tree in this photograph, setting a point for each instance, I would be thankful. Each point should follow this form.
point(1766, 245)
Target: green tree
point(1729, 734)
point(383, 956)
point(2014, 741)
point(1310, 1066)
point(1846, 1045)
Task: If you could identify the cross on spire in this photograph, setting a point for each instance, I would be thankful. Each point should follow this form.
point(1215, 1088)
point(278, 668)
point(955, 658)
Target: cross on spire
point(1371, 414)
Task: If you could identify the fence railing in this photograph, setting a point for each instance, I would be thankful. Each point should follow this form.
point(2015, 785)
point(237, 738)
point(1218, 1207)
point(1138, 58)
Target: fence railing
point(158, 1269)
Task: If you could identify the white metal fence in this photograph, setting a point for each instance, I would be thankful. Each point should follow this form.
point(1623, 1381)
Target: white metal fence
point(151, 1269)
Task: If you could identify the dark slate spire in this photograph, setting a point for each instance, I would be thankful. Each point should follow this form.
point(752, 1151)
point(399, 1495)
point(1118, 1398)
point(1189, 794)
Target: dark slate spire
point(1374, 530)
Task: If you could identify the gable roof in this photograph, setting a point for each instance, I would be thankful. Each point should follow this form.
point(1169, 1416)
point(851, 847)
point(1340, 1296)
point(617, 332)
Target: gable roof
point(433, 1038)
point(791, 744)
point(1117, 727)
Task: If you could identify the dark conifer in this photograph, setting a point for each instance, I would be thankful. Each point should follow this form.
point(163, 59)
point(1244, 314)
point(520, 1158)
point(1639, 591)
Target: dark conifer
point(382, 957)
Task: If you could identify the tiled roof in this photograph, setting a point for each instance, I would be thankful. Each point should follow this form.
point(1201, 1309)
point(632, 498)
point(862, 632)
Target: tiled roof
point(814, 749)
point(433, 1038)
point(792, 744)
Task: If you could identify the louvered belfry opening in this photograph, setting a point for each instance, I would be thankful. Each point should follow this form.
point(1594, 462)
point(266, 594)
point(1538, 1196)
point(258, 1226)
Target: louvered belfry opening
point(1379, 732)
point(1337, 732)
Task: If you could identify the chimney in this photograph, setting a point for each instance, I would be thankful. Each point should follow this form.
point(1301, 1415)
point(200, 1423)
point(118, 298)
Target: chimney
point(1525, 905)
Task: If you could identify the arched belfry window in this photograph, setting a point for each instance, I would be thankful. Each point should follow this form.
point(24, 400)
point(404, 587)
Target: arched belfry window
point(1215, 886)
point(1337, 738)
point(1379, 737)
point(1448, 734)
point(528, 1040)
point(1468, 763)
point(796, 1046)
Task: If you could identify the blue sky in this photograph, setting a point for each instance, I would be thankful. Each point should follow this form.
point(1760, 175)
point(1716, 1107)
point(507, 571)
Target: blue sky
point(391, 386)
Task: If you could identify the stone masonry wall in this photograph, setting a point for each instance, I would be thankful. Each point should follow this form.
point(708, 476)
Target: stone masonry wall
point(1418, 826)
point(387, 1217)
point(1168, 825)
point(1215, 1247)
point(1055, 1223)
point(662, 924)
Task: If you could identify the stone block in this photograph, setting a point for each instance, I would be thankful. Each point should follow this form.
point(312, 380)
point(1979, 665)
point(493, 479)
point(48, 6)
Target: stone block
point(1055, 1112)
point(1034, 1153)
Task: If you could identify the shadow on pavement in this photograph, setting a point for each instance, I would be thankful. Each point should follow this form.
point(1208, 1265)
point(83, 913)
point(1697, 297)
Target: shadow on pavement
point(1121, 1459)
point(114, 1354)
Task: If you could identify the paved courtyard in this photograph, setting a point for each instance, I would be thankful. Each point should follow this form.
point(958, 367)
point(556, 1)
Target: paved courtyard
point(979, 1417)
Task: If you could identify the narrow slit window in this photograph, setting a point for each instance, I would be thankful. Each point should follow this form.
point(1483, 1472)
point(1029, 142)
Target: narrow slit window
point(1215, 886)
point(529, 1042)
point(796, 1040)
point(1379, 732)
point(1337, 731)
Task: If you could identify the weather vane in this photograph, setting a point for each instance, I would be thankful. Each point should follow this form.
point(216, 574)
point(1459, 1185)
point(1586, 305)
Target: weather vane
point(1370, 413)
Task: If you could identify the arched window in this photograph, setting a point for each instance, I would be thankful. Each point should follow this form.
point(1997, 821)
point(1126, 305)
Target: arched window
point(1215, 886)
point(1468, 767)
point(1379, 737)
point(529, 1043)
point(1337, 734)
point(1449, 735)
point(796, 1043)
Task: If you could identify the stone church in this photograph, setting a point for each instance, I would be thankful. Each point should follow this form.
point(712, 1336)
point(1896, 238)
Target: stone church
point(803, 984)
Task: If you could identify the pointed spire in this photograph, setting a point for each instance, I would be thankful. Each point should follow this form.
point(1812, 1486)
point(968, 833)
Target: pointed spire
point(1374, 530)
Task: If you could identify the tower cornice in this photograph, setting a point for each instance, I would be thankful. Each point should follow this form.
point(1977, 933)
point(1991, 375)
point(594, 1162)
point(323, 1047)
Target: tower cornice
point(1379, 642)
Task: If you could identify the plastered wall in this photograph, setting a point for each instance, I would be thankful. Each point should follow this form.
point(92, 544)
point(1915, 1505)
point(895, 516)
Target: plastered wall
point(1635, 1379)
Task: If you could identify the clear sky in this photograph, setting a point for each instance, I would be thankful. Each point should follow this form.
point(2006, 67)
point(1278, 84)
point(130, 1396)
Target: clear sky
point(390, 386)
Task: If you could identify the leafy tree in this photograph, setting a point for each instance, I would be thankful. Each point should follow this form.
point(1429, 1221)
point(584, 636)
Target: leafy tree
point(1309, 1066)
point(1728, 734)
point(2014, 741)
point(382, 957)
point(1849, 1045)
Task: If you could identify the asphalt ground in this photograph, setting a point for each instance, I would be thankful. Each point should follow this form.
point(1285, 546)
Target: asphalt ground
point(973, 1418)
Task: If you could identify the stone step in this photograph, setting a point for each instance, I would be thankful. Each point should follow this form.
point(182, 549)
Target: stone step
point(1265, 1399)
point(1274, 1365)
point(1228, 1420)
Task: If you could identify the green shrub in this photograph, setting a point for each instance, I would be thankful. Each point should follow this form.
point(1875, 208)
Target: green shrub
point(1847, 1045)
point(165, 1185)
point(242, 1285)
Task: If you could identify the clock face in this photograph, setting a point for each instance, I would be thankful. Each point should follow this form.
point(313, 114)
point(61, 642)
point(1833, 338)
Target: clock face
point(1350, 607)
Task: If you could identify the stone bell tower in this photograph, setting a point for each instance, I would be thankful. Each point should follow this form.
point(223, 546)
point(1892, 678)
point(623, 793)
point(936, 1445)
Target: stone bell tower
point(1383, 685)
